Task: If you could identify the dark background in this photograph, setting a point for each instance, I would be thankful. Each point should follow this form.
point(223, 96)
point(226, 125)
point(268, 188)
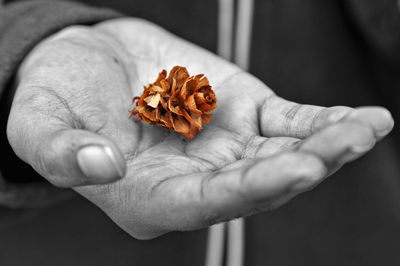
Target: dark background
point(328, 52)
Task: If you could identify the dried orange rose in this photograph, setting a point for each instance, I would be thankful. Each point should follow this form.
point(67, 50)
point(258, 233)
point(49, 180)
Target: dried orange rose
point(178, 102)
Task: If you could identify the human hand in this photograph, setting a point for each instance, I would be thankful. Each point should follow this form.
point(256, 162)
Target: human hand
point(258, 152)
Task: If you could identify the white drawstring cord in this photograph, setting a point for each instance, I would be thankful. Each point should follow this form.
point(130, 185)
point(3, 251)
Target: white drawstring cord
point(225, 28)
point(235, 247)
point(215, 245)
point(235, 241)
point(236, 228)
point(216, 233)
point(243, 33)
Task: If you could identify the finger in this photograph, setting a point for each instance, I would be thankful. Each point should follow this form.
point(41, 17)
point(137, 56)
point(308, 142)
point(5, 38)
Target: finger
point(279, 117)
point(203, 199)
point(334, 143)
point(284, 177)
point(259, 186)
point(65, 156)
point(76, 157)
point(339, 143)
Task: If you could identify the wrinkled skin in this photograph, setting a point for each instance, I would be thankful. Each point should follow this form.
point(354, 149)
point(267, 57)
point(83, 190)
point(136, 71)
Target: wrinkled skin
point(258, 151)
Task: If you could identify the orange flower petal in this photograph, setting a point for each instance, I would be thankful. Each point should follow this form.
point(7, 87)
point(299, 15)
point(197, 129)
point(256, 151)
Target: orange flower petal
point(181, 125)
point(166, 121)
point(171, 118)
point(140, 108)
point(180, 74)
point(144, 118)
point(158, 112)
point(173, 105)
point(156, 89)
point(203, 82)
point(191, 134)
point(173, 86)
point(188, 88)
point(163, 104)
point(206, 90)
point(153, 100)
point(199, 98)
point(206, 118)
point(162, 75)
point(190, 104)
point(196, 120)
point(204, 107)
point(187, 116)
point(150, 114)
point(172, 73)
point(164, 85)
point(206, 96)
point(198, 77)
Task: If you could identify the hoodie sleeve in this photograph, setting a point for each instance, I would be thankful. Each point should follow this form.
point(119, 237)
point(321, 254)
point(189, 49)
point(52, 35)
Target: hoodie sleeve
point(24, 24)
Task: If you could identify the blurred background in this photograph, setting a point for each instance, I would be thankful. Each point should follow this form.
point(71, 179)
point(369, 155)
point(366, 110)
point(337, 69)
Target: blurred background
point(332, 52)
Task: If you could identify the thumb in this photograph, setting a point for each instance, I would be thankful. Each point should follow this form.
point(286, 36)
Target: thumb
point(65, 156)
point(74, 157)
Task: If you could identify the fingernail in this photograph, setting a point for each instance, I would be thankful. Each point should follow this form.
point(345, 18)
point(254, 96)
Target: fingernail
point(385, 130)
point(385, 124)
point(99, 164)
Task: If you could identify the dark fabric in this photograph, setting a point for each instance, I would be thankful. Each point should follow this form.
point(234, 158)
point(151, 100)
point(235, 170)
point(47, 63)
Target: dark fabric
point(75, 233)
point(320, 52)
point(327, 53)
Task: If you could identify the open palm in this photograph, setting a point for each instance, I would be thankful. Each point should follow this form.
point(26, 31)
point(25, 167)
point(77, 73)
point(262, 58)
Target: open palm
point(258, 151)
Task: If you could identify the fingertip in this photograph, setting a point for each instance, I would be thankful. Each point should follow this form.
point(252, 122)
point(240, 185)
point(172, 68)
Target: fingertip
point(100, 164)
point(74, 157)
point(378, 118)
point(340, 143)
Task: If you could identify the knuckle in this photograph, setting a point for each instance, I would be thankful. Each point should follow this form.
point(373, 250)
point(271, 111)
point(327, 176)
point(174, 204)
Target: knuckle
point(39, 100)
point(337, 113)
point(294, 124)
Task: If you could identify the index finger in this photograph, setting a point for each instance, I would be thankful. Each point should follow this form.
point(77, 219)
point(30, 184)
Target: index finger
point(283, 118)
